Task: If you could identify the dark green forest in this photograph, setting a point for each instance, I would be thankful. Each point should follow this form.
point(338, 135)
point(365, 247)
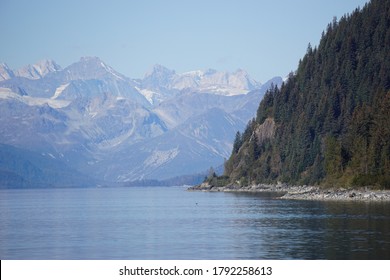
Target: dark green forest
point(329, 123)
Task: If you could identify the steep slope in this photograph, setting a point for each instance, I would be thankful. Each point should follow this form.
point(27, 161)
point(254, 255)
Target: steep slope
point(5, 72)
point(331, 119)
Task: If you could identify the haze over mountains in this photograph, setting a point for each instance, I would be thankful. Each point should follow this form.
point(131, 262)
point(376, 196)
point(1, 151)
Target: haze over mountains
point(70, 126)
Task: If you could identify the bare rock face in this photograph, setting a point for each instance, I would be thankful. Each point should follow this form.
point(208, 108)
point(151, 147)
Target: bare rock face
point(266, 130)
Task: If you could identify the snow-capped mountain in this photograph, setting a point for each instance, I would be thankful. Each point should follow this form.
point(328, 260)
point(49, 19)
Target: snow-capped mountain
point(88, 68)
point(93, 119)
point(212, 81)
point(5, 72)
point(38, 70)
point(161, 83)
point(33, 72)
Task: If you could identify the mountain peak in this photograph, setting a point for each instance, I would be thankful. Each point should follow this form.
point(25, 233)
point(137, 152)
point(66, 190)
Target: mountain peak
point(5, 72)
point(48, 64)
point(39, 69)
point(159, 69)
point(91, 67)
point(240, 71)
point(90, 59)
point(159, 77)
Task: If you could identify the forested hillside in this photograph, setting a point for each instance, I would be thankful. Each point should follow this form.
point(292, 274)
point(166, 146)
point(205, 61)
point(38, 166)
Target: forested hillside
point(329, 123)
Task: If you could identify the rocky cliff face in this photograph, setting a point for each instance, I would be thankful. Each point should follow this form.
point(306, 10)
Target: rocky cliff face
point(265, 131)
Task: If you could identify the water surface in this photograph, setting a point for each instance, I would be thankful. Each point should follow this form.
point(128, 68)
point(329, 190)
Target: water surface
point(171, 223)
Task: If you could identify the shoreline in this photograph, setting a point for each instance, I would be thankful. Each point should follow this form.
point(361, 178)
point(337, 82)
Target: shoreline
point(303, 192)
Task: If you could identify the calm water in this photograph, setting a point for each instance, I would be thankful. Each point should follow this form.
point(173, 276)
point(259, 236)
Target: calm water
point(171, 223)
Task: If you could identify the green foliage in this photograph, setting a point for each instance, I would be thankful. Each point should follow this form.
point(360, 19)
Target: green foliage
point(332, 114)
point(265, 109)
point(237, 142)
point(380, 181)
point(217, 181)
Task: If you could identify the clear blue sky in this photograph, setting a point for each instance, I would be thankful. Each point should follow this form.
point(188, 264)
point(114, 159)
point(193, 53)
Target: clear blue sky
point(265, 37)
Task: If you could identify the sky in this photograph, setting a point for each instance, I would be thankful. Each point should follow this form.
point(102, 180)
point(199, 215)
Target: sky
point(264, 37)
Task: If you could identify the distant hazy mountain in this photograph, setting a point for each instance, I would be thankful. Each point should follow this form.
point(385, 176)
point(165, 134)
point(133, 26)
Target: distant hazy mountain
point(38, 70)
point(20, 168)
point(5, 72)
point(90, 118)
point(161, 83)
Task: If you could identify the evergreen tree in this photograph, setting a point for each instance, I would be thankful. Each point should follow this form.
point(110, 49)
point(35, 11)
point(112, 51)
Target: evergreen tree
point(237, 143)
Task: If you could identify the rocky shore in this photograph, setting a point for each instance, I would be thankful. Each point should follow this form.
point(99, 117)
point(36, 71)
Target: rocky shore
point(304, 192)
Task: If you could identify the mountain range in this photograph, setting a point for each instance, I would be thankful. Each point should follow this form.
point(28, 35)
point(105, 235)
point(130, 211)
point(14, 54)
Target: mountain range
point(89, 121)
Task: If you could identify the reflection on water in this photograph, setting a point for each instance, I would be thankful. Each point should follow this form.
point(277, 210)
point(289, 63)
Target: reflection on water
point(171, 223)
point(315, 230)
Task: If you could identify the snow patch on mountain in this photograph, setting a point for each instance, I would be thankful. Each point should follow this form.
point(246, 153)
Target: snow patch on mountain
point(5, 72)
point(152, 96)
point(6, 93)
point(111, 71)
point(59, 90)
point(158, 157)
